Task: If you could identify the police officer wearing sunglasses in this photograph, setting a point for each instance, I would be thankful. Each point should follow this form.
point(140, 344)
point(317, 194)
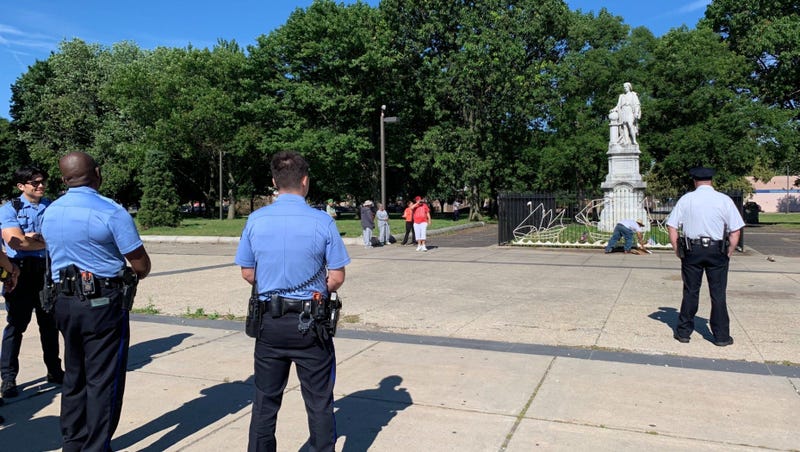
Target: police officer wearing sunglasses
point(21, 220)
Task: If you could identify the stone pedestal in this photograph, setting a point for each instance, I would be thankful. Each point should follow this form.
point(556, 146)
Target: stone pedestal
point(623, 189)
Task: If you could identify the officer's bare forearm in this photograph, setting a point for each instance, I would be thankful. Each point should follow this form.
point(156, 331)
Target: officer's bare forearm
point(673, 238)
point(249, 275)
point(734, 241)
point(335, 279)
point(19, 241)
point(140, 262)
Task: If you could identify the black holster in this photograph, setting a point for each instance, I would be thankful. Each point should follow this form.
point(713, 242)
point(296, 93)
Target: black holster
point(255, 309)
point(130, 281)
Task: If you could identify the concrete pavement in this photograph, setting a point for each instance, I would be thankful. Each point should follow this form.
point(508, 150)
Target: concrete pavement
point(463, 349)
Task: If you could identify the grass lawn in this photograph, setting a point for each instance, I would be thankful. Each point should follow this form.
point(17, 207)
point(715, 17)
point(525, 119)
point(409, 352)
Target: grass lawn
point(781, 220)
point(349, 227)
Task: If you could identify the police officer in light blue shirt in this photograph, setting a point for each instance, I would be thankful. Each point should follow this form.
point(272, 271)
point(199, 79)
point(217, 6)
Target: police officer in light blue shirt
point(291, 249)
point(21, 220)
point(89, 237)
point(711, 226)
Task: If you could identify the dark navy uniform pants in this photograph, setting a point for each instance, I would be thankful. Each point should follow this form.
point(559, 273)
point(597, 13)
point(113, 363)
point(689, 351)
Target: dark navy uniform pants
point(21, 303)
point(715, 265)
point(96, 339)
point(278, 346)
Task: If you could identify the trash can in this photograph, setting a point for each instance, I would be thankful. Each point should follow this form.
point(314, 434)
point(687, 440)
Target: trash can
point(751, 210)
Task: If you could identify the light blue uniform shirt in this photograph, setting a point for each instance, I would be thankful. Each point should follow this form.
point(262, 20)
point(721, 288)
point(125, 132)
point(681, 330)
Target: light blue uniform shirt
point(287, 243)
point(705, 212)
point(28, 219)
point(88, 230)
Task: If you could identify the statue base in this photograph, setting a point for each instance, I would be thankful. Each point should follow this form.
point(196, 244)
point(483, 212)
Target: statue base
point(623, 189)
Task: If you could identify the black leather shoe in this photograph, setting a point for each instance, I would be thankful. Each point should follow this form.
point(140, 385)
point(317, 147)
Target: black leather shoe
point(9, 389)
point(723, 343)
point(681, 339)
point(55, 377)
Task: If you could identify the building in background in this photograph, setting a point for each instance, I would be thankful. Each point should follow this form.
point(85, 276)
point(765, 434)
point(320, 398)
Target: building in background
point(776, 194)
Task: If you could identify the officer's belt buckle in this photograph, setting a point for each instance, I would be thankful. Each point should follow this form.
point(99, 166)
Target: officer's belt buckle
point(705, 241)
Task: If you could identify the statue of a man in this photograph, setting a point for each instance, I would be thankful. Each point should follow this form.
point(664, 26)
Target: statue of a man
point(629, 112)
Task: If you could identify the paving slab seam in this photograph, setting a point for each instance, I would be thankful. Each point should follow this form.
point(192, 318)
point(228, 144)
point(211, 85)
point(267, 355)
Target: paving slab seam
point(524, 411)
point(234, 419)
point(655, 433)
point(622, 290)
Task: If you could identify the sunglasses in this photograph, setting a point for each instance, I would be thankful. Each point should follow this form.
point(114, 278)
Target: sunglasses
point(36, 183)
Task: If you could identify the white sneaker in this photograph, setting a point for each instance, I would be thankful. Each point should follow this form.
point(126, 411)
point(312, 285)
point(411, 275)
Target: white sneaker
point(419, 247)
point(424, 248)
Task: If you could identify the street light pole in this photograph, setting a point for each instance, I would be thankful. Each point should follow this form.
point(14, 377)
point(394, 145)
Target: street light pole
point(383, 158)
point(220, 184)
point(384, 119)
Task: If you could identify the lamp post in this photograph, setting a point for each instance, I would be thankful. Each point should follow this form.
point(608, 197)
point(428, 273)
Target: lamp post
point(384, 119)
point(220, 184)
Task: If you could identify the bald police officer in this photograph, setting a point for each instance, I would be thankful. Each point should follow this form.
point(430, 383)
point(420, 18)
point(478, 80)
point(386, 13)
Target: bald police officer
point(711, 226)
point(289, 251)
point(89, 237)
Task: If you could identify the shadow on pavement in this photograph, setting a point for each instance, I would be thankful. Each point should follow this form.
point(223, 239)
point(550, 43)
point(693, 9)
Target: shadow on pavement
point(670, 317)
point(362, 415)
point(141, 354)
point(214, 403)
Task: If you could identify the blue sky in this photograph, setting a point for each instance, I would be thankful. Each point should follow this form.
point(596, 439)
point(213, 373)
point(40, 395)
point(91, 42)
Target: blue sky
point(31, 29)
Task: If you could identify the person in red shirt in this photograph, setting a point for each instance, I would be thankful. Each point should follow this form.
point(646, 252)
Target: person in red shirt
point(408, 215)
point(422, 217)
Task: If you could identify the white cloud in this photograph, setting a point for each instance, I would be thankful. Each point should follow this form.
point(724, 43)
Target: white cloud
point(11, 36)
point(694, 6)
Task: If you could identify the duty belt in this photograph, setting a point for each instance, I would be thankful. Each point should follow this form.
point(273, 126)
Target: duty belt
point(30, 262)
point(277, 306)
point(704, 242)
point(71, 286)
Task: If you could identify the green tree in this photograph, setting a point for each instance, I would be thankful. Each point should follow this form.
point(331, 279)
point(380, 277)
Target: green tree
point(13, 158)
point(767, 34)
point(319, 80)
point(482, 71)
point(702, 112)
point(159, 206)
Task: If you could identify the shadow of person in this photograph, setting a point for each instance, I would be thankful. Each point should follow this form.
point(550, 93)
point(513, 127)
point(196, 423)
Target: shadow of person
point(669, 316)
point(141, 354)
point(21, 431)
point(214, 403)
point(362, 415)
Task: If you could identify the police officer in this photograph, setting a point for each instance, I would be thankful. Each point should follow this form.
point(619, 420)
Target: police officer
point(711, 226)
point(89, 237)
point(286, 251)
point(21, 220)
point(9, 273)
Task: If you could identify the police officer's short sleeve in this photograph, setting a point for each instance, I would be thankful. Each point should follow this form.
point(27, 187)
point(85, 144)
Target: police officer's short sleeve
point(335, 253)
point(125, 233)
point(8, 216)
point(245, 257)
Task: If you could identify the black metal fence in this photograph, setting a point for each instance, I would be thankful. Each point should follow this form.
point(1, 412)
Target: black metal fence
point(569, 219)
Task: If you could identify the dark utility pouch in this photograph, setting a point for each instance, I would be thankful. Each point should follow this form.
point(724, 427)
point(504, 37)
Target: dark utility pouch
point(255, 310)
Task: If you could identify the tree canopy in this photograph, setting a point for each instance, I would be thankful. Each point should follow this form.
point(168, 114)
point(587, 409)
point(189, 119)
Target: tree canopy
point(492, 96)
